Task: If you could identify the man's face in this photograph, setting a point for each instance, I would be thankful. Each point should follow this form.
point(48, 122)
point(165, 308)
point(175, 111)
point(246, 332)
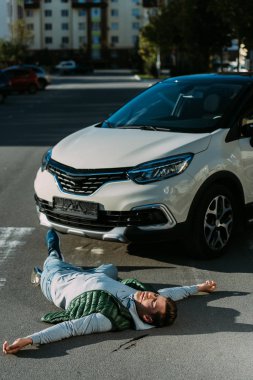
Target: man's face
point(149, 303)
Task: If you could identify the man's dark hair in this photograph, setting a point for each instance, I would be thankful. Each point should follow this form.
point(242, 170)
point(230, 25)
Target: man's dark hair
point(167, 318)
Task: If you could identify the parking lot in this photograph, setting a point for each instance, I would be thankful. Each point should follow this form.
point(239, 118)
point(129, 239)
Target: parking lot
point(212, 337)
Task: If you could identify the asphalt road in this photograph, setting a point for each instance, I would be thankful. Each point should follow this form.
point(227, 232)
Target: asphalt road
point(212, 337)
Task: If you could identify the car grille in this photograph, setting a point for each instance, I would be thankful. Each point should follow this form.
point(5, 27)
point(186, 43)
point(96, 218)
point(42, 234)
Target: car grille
point(106, 219)
point(83, 182)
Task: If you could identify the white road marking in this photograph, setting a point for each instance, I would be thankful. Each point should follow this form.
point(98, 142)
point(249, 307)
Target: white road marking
point(97, 251)
point(11, 238)
point(2, 282)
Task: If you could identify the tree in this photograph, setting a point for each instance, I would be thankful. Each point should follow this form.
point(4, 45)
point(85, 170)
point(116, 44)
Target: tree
point(240, 20)
point(192, 30)
point(148, 49)
point(16, 50)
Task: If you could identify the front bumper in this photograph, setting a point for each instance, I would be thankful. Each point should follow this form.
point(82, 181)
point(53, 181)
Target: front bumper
point(134, 225)
point(125, 211)
point(124, 234)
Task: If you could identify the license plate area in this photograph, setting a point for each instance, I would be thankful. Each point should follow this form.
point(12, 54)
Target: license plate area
point(83, 209)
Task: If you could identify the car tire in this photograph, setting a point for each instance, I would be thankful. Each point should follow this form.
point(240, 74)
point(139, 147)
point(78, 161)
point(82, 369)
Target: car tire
point(2, 98)
point(32, 89)
point(213, 223)
point(42, 83)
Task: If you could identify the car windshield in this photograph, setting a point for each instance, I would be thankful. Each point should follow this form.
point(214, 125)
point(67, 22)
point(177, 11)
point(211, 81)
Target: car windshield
point(177, 105)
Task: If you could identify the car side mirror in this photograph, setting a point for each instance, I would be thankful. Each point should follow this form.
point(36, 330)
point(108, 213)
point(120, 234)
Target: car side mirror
point(247, 130)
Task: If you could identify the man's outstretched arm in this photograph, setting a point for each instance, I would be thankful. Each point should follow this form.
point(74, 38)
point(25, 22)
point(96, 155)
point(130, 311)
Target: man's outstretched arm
point(86, 325)
point(181, 292)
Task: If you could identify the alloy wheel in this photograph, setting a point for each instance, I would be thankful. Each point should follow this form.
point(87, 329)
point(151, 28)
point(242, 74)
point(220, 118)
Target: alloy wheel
point(218, 222)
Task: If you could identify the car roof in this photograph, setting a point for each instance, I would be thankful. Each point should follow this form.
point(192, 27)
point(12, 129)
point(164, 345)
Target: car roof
point(16, 68)
point(242, 78)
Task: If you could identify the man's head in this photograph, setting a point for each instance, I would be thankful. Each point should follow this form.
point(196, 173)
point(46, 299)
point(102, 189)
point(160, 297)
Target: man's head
point(155, 309)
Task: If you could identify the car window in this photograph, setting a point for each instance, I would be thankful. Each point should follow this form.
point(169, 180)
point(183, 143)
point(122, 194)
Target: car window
point(174, 105)
point(17, 73)
point(22, 73)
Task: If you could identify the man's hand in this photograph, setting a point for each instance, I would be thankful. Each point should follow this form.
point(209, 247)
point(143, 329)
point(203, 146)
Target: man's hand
point(208, 286)
point(16, 345)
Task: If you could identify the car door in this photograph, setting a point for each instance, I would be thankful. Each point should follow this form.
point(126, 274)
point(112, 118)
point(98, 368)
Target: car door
point(246, 148)
point(16, 79)
point(22, 79)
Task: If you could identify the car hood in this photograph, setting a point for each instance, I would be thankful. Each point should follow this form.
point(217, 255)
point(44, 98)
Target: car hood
point(95, 148)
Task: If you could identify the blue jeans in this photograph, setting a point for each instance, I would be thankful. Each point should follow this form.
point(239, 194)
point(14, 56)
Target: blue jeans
point(53, 265)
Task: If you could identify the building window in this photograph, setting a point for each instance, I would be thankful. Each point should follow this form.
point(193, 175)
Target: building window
point(96, 26)
point(114, 25)
point(64, 1)
point(48, 26)
point(136, 12)
point(48, 12)
point(48, 40)
point(81, 25)
point(114, 1)
point(29, 13)
point(114, 39)
point(95, 12)
point(95, 40)
point(65, 26)
point(65, 40)
point(64, 12)
point(48, 1)
point(114, 12)
point(30, 26)
point(136, 25)
point(136, 2)
point(82, 12)
point(82, 40)
point(134, 40)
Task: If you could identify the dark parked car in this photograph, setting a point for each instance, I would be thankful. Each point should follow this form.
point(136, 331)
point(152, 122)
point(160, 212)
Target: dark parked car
point(4, 86)
point(22, 79)
point(43, 77)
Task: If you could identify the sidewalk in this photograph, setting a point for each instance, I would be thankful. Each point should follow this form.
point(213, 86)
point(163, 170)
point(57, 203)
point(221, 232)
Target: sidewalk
point(114, 72)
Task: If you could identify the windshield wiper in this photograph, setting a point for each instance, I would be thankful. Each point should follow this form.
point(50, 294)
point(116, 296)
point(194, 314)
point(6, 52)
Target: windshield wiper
point(145, 128)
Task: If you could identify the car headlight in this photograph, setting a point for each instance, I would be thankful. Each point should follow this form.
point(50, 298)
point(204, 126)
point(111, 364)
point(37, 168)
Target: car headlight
point(160, 169)
point(46, 159)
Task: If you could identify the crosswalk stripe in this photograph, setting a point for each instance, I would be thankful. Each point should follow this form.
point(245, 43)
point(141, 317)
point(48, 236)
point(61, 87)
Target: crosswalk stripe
point(11, 238)
point(2, 282)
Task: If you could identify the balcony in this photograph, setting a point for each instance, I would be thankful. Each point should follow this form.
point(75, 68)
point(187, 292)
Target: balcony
point(89, 4)
point(31, 4)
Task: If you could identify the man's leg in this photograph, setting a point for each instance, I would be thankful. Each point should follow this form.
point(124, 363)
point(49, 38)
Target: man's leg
point(53, 244)
point(53, 264)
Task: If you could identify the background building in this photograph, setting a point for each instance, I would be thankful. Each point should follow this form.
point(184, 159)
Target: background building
point(104, 32)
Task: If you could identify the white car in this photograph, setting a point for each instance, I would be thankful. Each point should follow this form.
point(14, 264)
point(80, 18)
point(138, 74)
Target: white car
point(71, 67)
point(174, 162)
point(66, 66)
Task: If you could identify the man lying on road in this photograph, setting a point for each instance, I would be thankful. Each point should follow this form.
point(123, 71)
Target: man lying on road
point(95, 300)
